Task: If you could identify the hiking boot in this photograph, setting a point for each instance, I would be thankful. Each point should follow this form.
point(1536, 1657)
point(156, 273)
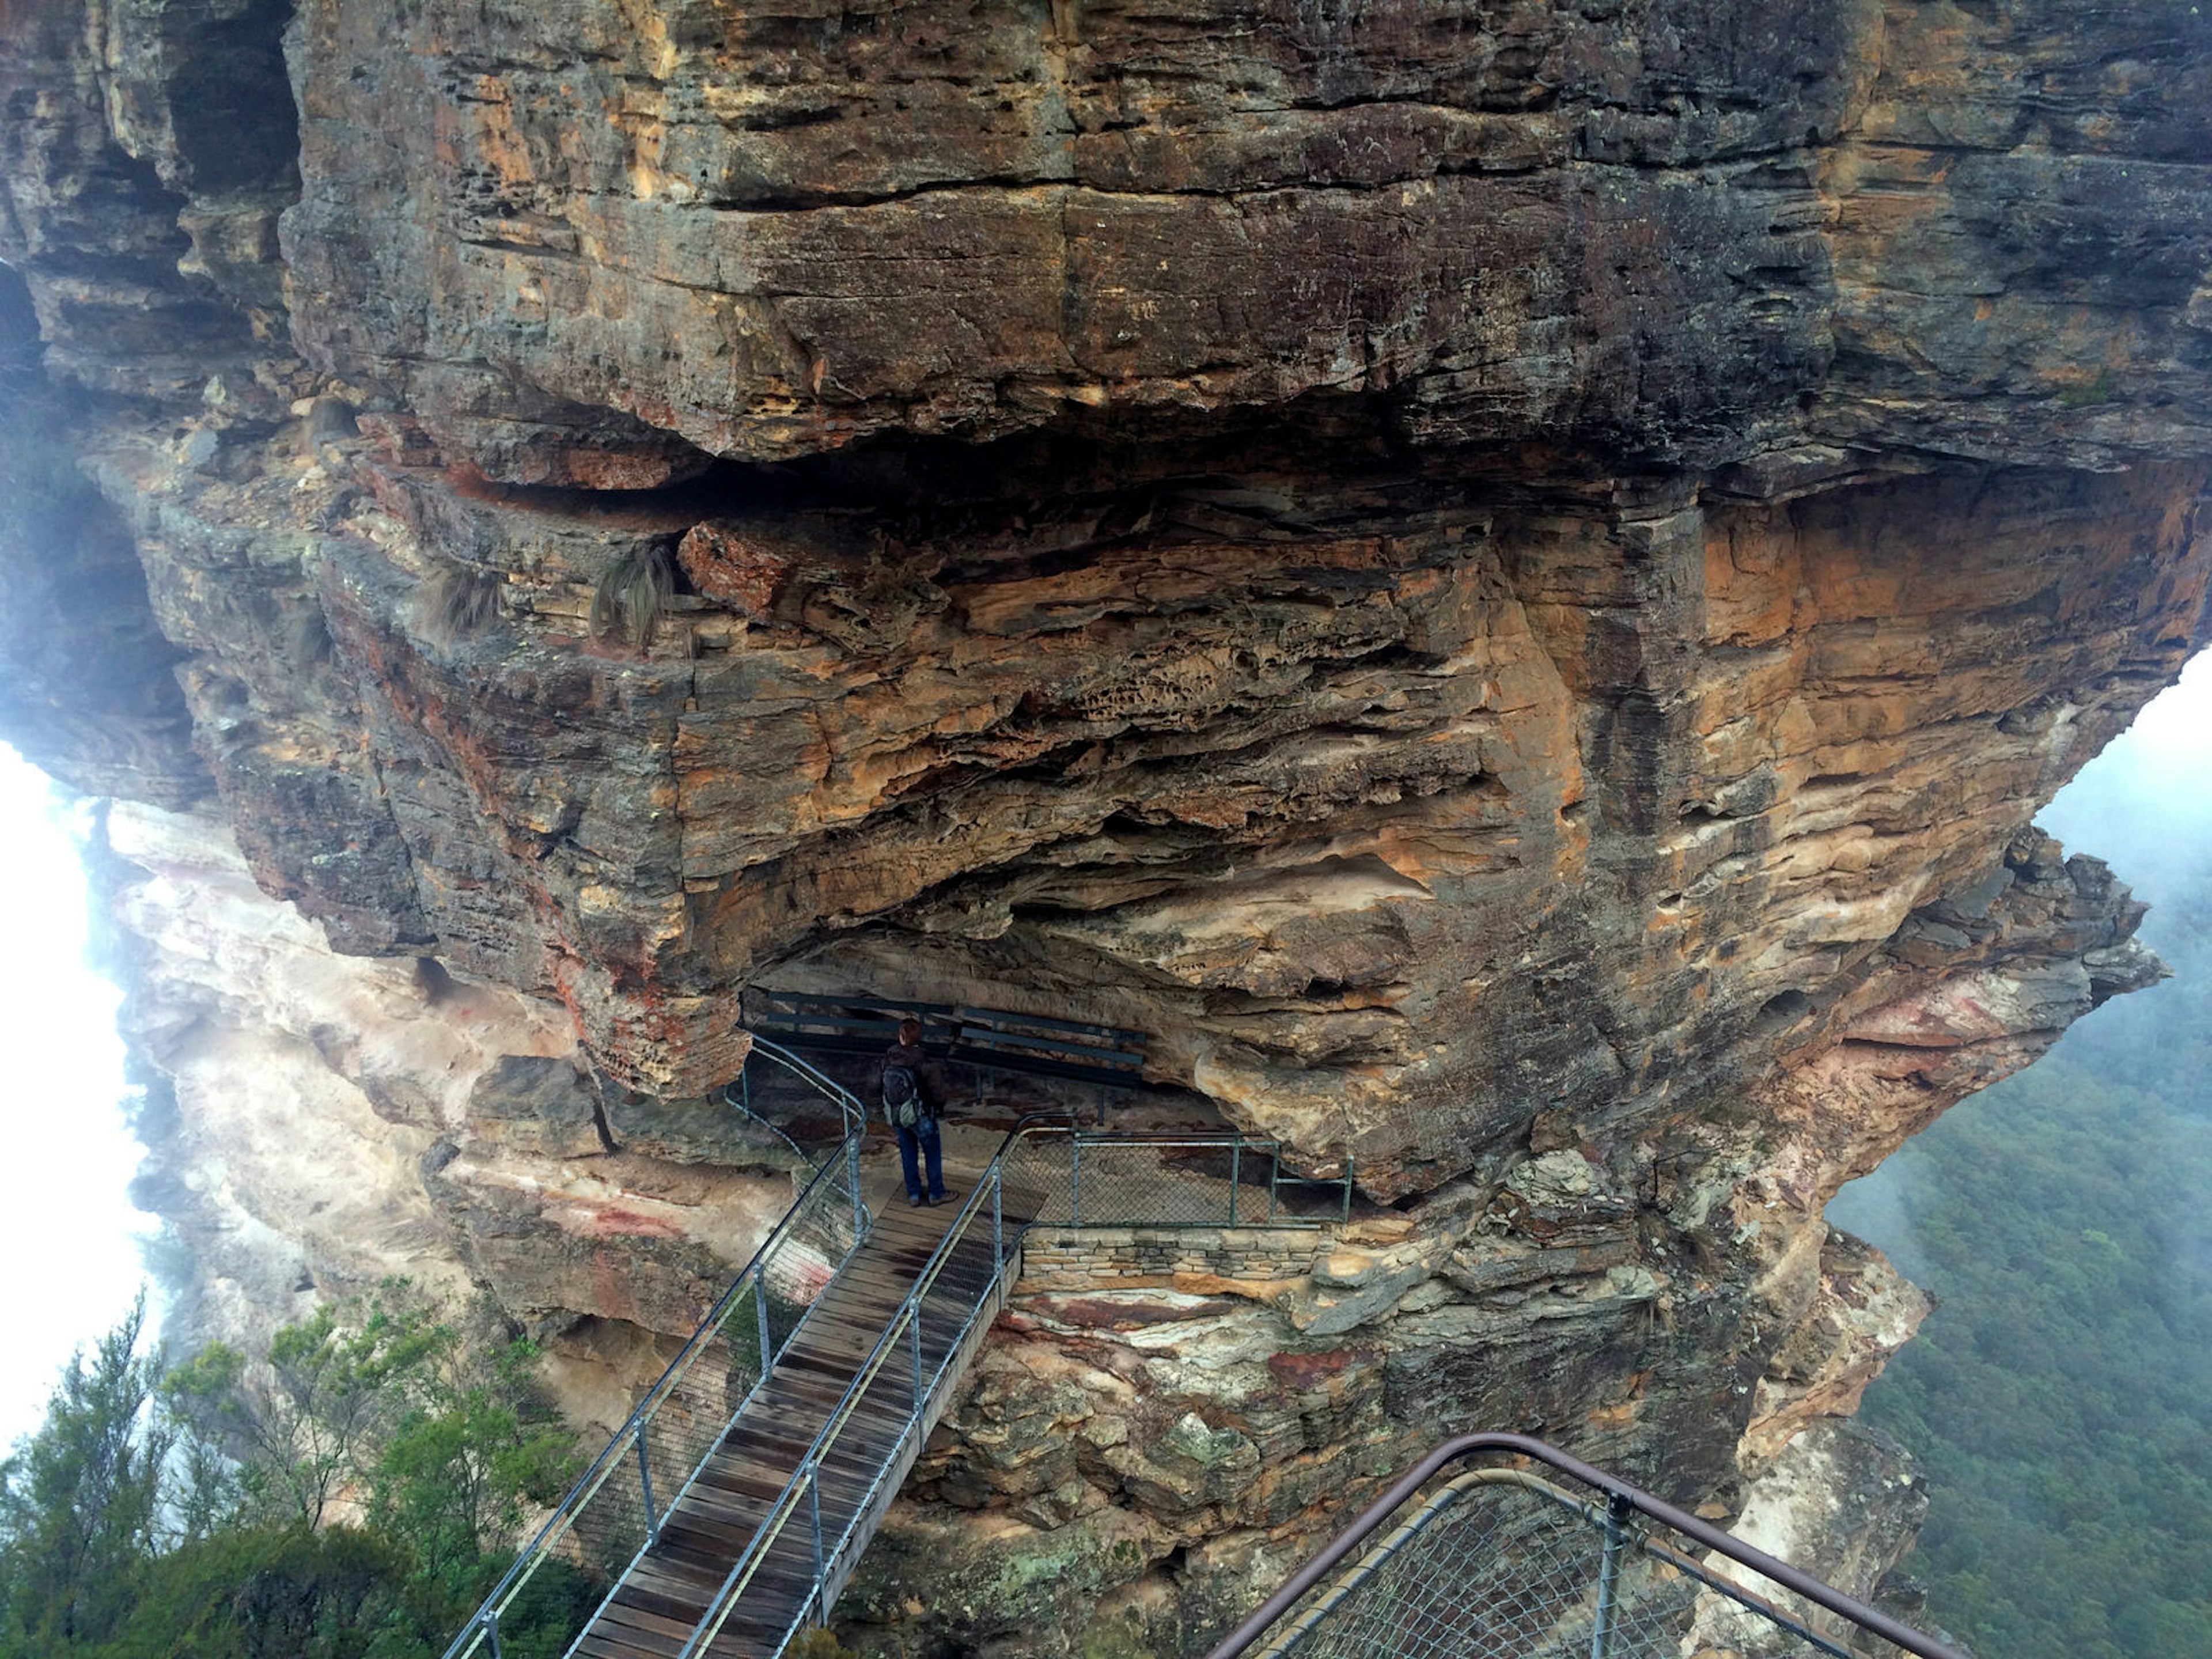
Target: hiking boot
point(915, 1201)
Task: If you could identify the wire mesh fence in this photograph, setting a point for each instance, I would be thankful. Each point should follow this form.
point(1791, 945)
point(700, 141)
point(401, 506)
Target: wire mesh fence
point(1505, 1575)
point(612, 1513)
point(1049, 1172)
point(1511, 1563)
point(1080, 1178)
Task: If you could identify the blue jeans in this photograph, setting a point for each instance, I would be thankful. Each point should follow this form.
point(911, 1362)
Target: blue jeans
point(925, 1133)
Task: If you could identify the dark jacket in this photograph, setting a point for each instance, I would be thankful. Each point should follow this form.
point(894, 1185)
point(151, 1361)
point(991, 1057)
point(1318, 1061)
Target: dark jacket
point(925, 1070)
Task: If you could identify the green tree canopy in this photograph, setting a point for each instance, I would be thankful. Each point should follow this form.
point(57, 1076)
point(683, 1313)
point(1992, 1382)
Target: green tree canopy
point(349, 1494)
point(2060, 1397)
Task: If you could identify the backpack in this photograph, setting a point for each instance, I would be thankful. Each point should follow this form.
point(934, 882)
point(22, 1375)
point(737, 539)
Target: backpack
point(903, 1101)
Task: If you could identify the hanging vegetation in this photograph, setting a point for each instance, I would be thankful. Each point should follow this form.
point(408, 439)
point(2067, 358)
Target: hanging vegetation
point(632, 595)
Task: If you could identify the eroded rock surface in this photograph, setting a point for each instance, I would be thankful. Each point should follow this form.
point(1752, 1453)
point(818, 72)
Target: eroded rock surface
point(1505, 585)
point(331, 1121)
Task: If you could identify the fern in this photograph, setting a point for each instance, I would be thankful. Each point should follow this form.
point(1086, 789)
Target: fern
point(632, 595)
point(458, 602)
point(306, 636)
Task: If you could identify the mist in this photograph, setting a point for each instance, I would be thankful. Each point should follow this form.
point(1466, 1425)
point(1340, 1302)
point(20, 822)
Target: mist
point(68, 1225)
point(2144, 806)
point(2058, 1399)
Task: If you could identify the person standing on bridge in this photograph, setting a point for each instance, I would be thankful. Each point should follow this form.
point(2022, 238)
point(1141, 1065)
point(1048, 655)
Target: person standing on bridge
point(913, 1094)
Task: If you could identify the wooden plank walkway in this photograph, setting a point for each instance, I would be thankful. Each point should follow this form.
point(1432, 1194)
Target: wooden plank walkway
point(662, 1599)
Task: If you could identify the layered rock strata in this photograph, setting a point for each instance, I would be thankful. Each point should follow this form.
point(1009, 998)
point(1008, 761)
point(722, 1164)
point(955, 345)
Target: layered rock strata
point(1503, 585)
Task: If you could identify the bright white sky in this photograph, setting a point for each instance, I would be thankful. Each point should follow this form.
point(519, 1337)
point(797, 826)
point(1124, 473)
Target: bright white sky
point(71, 1237)
point(2145, 804)
point(2170, 744)
point(67, 1233)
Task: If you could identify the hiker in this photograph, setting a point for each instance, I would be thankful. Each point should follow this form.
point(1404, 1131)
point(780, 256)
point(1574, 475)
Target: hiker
point(913, 1094)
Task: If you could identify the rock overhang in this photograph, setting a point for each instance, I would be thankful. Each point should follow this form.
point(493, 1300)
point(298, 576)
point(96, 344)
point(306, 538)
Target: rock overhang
point(1504, 586)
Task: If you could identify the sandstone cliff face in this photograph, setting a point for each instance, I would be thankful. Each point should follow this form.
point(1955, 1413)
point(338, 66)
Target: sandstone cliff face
point(1506, 584)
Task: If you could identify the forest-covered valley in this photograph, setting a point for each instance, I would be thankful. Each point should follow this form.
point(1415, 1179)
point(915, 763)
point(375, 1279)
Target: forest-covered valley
point(2060, 1397)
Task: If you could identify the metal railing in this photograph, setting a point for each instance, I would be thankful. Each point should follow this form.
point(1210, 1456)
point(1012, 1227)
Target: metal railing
point(1056, 1175)
point(613, 1513)
point(1567, 1563)
point(1099, 1178)
point(852, 1114)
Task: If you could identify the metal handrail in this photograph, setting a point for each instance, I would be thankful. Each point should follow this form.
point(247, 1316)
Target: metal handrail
point(1600, 1516)
point(850, 1113)
point(483, 1627)
point(484, 1623)
point(849, 1106)
point(807, 1475)
point(805, 1482)
point(1621, 1500)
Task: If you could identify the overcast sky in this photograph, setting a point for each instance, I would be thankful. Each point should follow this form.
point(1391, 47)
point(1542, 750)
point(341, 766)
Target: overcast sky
point(67, 1233)
point(71, 1238)
point(2145, 804)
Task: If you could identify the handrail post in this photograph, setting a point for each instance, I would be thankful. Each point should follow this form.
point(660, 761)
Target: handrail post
point(852, 1134)
point(645, 1487)
point(1075, 1178)
point(998, 1218)
point(1617, 1510)
point(760, 1310)
point(1349, 1164)
point(1236, 1173)
point(914, 1343)
point(820, 1575)
point(491, 1631)
point(1274, 1179)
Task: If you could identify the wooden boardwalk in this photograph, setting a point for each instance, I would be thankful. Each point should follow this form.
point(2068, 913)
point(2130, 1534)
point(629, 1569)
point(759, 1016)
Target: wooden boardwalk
point(653, 1611)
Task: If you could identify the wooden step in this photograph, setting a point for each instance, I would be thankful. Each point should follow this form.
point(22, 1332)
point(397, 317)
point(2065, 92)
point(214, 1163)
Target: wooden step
point(744, 1472)
point(687, 1598)
point(661, 1639)
point(735, 1469)
point(787, 1583)
point(733, 1482)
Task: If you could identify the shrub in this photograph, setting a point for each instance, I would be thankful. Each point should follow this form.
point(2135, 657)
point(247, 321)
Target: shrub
point(189, 1514)
point(267, 1593)
point(81, 1501)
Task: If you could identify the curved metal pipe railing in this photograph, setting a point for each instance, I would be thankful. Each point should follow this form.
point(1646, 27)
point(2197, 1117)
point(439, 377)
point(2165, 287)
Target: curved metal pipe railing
point(850, 1107)
point(1259, 1636)
point(833, 1191)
